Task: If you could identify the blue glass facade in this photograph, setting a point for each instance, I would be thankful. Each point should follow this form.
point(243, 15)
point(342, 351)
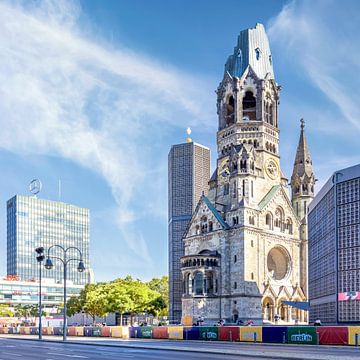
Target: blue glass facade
point(33, 222)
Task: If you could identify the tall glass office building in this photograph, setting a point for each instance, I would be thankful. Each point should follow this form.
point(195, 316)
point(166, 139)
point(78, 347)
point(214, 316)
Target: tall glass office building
point(33, 222)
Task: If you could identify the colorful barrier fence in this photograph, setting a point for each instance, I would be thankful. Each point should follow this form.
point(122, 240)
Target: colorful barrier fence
point(329, 335)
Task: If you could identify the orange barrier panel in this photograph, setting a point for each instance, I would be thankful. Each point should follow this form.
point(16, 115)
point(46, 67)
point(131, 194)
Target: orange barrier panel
point(229, 333)
point(72, 331)
point(333, 335)
point(160, 332)
point(105, 331)
point(22, 330)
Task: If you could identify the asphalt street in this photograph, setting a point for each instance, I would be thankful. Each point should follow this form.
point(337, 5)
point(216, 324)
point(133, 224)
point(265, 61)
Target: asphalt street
point(164, 349)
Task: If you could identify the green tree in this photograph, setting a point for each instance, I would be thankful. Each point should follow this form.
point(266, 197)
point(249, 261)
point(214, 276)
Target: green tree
point(160, 305)
point(5, 311)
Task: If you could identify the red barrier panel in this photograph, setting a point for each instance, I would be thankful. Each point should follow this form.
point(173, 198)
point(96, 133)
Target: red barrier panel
point(229, 333)
point(160, 332)
point(72, 331)
point(333, 335)
point(105, 331)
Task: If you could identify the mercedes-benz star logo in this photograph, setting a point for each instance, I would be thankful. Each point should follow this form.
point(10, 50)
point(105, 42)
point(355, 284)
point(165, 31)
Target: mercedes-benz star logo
point(35, 186)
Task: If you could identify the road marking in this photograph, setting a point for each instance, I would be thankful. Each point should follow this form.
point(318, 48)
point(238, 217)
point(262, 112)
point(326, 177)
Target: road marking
point(69, 355)
point(12, 354)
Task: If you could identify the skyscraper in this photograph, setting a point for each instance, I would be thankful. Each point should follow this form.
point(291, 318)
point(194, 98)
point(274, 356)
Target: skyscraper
point(334, 249)
point(188, 177)
point(244, 245)
point(34, 222)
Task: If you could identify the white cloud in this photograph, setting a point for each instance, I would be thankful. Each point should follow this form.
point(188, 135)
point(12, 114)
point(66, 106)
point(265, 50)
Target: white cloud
point(62, 93)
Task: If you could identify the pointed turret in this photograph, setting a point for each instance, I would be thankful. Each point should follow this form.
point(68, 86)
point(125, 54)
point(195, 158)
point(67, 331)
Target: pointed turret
point(302, 179)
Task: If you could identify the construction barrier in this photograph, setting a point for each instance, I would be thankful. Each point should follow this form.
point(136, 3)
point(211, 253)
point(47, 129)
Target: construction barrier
point(329, 335)
point(251, 333)
point(302, 335)
point(146, 332)
point(176, 332)
point(229, 333)
point(191, 333)
point(209, 333)
point(106, 331)
point(354, 335)
point(274, 334)
point(333, 335)
point(160, 332)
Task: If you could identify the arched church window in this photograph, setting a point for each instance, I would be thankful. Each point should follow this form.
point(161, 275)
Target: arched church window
point(199, 283)
point(271, 114)
point(268, 220)
point(257, 53)
point(230, 108)
point(249, 105)
point(204, 224)
point(210, 226)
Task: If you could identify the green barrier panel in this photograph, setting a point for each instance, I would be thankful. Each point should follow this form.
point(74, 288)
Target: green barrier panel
point(302, 335)
point(96, 331)
point(146, 332)
point(209, 333)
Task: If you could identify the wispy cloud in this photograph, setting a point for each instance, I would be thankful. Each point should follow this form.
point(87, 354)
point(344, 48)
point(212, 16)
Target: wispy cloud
point(63, 93)
point(317, 41)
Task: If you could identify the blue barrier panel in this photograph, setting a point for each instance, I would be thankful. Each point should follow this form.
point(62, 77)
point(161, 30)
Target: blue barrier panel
point(134, 332)
point(58, 330)
point(11, 330)
point(274, 334)
point(88, 331)
point(191, 333)
point(34, 331)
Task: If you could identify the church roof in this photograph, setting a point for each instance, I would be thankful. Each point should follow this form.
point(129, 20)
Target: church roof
point(267, 198)
point(303, 162)
point(252, 49)
point(215, 212)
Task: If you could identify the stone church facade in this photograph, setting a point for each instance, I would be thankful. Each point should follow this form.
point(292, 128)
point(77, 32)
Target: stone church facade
point(246, 245)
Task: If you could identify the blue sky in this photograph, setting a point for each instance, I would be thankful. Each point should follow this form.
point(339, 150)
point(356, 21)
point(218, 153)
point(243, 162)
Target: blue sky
point(95, 93)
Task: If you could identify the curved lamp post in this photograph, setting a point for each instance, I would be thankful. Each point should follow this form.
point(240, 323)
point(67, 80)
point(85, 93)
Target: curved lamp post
point(40, 258)
point(65, 260)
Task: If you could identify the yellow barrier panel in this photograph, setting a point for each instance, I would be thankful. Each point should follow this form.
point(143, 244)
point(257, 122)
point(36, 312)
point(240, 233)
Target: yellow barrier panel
point(249, 333)
point(27, 330)
point(116, 331)
point(79, 331)
point(353, 330)
point(50, 330)
point(125, 332)
point(187, 320)
point(5, 330)
point(175, 332)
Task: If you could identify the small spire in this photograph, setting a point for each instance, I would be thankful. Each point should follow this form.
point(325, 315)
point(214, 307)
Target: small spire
point(188, 139)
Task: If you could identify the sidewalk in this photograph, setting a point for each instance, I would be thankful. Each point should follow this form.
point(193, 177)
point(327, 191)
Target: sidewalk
point(275, 351)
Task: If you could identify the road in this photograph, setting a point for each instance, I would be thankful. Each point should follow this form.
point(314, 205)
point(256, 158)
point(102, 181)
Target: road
point(134, 349)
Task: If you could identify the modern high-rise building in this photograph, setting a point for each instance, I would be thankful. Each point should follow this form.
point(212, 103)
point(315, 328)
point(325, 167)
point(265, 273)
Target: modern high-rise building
point(245, 246)
point(34, 222)
point(334, 249)
point(188, 177)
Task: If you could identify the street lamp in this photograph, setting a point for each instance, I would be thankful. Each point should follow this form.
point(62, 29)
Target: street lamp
point(65, 260)
point(40, 258)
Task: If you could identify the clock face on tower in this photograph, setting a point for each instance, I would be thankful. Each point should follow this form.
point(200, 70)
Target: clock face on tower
point(271, 169)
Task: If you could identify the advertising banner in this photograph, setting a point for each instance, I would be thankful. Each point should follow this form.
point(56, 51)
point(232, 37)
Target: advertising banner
point(175, 332)
point(160, 332)
point(302, 335)
point(251, 333)
point(229, 333)
point(353, 331)
point(191, 333)
point(274, 334)
point(79, 330)
point(333, 335)
point(209, 333)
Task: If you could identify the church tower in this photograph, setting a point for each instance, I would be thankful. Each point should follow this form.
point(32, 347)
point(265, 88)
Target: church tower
point(243, 247)
point(302, 179)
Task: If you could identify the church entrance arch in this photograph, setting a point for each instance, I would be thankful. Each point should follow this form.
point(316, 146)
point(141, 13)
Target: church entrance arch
point(268, 308)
